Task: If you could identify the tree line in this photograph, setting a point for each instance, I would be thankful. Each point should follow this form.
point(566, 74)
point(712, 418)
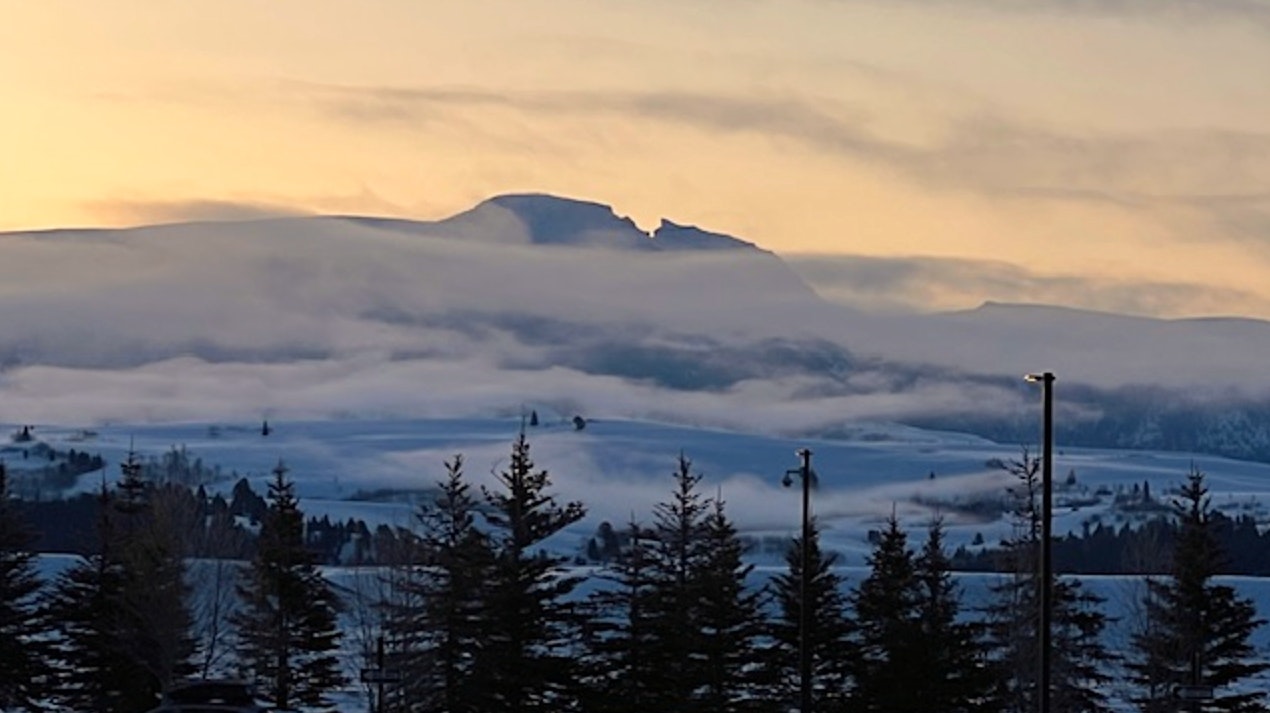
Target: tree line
point(1145, 548)
point(121, 624)
point(214, 526)
point(477, 615)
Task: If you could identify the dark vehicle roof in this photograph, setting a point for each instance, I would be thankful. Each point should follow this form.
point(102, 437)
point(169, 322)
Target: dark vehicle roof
point(205, 708)
point(196, 696)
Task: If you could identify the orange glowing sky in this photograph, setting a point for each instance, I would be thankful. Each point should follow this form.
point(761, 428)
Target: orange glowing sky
point(1111, 154)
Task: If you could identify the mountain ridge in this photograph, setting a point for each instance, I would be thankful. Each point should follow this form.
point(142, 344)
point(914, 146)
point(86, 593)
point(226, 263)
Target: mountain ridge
point(989, 307)
point(547, 219)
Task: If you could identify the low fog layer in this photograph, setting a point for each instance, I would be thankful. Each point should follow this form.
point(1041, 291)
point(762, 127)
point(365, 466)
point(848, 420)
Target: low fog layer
point(525, 299)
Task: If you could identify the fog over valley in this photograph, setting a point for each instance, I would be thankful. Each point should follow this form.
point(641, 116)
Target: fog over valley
point(545, 300)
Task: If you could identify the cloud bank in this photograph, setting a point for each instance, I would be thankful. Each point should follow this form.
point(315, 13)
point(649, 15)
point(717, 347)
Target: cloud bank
point(925, 284)
point(320, 317)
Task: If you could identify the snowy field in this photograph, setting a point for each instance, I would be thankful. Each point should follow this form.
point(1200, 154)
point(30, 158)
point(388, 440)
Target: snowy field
point(376, 469)
point(373, 469)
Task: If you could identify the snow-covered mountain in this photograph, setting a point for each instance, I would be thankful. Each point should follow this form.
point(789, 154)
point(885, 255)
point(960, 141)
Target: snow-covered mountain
point(534, 298)
point(542, 219)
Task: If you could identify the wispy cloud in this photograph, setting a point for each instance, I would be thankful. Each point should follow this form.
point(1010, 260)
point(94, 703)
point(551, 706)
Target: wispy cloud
point(785, 117)
point(931, 283)
point(990, 155)
point(147, 211)
point(1242, 11)
point(188, 389)
point(140, 212)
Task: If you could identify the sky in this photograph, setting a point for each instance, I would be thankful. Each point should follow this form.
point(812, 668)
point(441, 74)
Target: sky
point(902, 154)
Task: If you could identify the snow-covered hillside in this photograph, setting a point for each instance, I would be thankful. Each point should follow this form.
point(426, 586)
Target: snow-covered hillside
point(375, 469)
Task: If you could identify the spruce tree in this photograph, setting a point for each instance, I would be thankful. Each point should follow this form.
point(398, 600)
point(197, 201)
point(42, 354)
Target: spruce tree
point(122, 614)
point(526, 662)
point(23, 653)
point(1080, 663)
point(95, 668)
point(435, 618)
point(155, 597)
point(677, 557)
point(955, 675)
point(1082, 666)
point(828, 635)
point(1197, 630)
point(729, 623)
point(885, 608)
point(617, 664)
point(1013, 614)
point(287, 629)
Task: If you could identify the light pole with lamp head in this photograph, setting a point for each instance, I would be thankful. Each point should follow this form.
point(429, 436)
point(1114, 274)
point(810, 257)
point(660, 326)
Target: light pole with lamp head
point(1046, 380)
point(804, 609)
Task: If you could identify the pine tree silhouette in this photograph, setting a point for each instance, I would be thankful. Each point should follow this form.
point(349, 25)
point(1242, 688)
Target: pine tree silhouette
point(1197, 631)
point(287, 628)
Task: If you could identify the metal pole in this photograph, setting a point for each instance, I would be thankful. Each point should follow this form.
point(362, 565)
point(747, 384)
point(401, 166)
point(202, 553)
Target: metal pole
point(1047, 563)
point(804, 607)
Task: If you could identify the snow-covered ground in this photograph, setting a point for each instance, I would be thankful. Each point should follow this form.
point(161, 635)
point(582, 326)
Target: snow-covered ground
point(621, 468)
point(375, 469)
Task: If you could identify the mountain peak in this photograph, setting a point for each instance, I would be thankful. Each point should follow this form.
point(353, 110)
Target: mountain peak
point(553, 220)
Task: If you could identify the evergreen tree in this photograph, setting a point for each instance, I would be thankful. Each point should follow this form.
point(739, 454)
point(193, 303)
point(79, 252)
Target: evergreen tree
point(525, 664)
point(729, 623)
point(1012, 614)
point(954, 675)
point(1197, 631)
point(679, 553)
point(95, 667)
point(1079, 661)
point(130, 498)
point(1081, 666)
point(828, 636)
point(617, 666)
point(122, 613)
point(23, 654)
point(436, 615)
point(887, 627)
point(287, 629)
point(155, 597)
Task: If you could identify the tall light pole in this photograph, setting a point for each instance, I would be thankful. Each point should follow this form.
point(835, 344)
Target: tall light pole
point(804, 606)
point(1046, 380)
